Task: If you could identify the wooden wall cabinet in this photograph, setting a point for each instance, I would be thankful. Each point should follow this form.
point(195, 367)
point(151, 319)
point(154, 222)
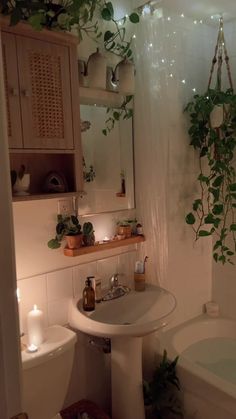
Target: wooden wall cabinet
point(42, 100)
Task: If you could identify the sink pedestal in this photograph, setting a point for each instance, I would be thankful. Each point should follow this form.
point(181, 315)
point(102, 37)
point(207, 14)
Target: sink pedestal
point(126, 378)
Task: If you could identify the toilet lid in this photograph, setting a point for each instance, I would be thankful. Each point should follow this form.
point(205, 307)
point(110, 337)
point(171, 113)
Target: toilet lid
point(58, 339)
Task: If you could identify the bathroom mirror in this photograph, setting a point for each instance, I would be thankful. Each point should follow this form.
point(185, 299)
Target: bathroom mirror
point(108, 163)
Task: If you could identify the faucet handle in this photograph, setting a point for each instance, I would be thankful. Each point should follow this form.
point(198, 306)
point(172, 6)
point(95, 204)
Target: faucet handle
point(114, 281)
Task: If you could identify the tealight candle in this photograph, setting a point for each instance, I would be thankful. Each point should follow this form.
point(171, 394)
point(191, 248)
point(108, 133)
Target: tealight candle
point(35, 327)
point(106, 239)
point(32, 348)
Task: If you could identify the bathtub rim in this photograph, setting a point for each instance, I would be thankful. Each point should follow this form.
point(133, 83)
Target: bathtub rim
point(166, 342)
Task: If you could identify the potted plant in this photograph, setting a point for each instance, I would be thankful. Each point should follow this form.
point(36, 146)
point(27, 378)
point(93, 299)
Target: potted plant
point(161, 397)
point(67, 227)
point(88, 234)
point(125, 227)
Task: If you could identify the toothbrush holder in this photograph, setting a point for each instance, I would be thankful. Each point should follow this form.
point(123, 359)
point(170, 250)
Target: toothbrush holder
point(139, 282)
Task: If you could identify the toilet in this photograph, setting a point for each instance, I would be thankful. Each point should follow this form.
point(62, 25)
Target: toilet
point(46, 373)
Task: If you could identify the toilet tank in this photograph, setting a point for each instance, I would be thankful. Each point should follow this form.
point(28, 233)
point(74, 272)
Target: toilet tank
point(46, 373)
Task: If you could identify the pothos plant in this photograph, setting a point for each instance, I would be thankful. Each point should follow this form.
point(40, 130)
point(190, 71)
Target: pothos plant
point(213, 211)
point(65, 15)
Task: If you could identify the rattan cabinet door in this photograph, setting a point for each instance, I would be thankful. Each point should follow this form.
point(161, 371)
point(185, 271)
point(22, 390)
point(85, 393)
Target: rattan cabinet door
point(45, 93)
point(12, 90)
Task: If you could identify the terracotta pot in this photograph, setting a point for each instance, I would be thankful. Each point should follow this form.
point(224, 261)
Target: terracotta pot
point(74, 242)
point(124, 231)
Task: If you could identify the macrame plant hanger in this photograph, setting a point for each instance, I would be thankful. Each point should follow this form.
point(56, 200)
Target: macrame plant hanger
point(220, 52)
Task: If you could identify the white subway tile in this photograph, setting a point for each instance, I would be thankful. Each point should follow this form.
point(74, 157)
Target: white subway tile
point(58, 312)
point(80, 273)
point(106, 268)
point(33, 290)
point(59, 285)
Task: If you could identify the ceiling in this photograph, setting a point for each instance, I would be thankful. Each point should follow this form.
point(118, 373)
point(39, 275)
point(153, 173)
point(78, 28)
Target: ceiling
point(201, 9)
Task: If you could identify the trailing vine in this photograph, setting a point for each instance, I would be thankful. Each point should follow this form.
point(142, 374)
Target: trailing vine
point(213, 212)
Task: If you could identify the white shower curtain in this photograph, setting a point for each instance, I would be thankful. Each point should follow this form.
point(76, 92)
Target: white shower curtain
point(151, 142)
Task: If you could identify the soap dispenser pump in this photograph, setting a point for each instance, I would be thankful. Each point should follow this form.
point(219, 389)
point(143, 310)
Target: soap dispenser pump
point(88, 295)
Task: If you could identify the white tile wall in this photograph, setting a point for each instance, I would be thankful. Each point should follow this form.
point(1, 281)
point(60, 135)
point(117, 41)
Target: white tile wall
point(52, 292)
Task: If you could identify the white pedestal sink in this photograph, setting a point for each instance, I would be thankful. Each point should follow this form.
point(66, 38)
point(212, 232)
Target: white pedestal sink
point(125, 321)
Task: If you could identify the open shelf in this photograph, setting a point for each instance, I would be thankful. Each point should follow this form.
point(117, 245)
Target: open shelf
point(103, 246)
point(40, 167)
point(89, 96)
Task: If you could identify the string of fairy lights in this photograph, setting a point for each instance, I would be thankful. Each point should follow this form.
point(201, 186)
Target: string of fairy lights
point(152, 8)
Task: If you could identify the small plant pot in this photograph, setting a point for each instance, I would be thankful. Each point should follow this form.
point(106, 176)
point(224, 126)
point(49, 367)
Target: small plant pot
point(89, 240)
point(124, 231)
point(74, 242)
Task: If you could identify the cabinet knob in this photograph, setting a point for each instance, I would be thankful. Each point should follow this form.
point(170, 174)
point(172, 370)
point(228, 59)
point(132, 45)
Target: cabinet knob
point(26, 93)
point(14, 91)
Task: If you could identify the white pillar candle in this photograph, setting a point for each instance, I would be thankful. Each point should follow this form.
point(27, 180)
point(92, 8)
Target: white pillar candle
point(35, 327)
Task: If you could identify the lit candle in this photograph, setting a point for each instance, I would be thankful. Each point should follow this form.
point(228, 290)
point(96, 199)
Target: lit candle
point(32, 348)
point(19, 312)
point(106, 239)
point(35, 327)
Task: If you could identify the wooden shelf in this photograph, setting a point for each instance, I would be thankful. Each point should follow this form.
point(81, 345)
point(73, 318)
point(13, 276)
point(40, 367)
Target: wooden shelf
point(35, 197)
point(89, 96)
point(103, 246)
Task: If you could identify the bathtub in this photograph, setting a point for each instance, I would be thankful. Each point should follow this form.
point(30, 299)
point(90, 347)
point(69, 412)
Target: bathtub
point(207, 365)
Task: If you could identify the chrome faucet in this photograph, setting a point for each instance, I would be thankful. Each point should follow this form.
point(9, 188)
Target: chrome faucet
point(114, 281)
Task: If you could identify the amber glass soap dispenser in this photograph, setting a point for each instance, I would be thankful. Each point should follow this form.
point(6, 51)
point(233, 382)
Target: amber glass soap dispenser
point(88, 295)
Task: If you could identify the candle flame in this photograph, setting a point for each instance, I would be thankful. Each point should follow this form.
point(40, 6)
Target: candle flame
point(35, 307)
point(18, 294)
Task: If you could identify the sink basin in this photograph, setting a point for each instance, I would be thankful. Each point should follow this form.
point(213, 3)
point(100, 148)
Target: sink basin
point(134, 314)
point(125, 321)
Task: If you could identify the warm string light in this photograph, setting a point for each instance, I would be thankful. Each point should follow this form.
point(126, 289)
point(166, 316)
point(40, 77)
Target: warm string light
point(150, 8)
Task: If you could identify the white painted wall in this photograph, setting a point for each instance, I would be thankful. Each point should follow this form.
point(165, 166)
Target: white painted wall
point(223, 277)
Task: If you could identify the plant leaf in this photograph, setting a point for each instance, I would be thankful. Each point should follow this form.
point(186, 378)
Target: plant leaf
point(134, 18)
point(190, 219)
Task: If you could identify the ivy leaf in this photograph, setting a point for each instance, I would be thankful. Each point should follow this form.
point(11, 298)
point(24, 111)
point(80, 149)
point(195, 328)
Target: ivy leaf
point(134, 18)
point(197, 203)
point(204, 233)
point(215, 193)
point(204, 151)
point(215, 256)
point(106, 15)
point(233, 227)
point(104, 131)
point(217, 245)
point(109, 6)
point(203, 178)
point(232, 187)
point(116, 116)
point(54, 244)
point(218, 181)
point(190, 219)
point(209, 219)
point(108, 35)
point(218, 209)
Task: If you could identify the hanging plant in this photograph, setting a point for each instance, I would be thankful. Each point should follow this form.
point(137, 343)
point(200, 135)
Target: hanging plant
point(67, 14)
point(115, 115)
point(213, 134)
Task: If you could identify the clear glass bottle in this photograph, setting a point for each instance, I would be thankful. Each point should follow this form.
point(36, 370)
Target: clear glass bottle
point(88, 295)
